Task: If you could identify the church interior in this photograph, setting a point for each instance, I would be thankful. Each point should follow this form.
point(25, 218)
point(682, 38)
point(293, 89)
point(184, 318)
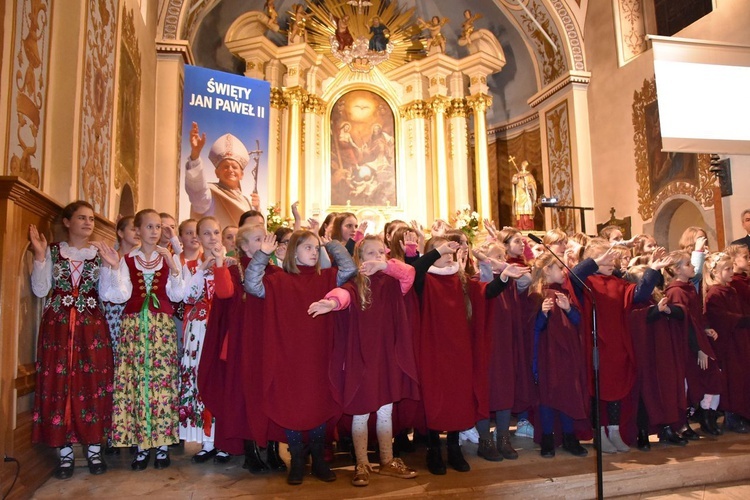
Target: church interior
point(478, 93)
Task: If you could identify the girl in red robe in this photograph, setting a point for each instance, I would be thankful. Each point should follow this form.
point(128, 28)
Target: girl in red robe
point(446, 350)
point(741, 268)
point(704, 379)
point(302, 398)
point(376, 352)
point(559, 367)
point(725, 314)
point(73, 400)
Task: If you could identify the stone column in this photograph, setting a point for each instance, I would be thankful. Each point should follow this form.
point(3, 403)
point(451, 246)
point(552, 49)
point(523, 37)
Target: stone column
point(439, 105)
point(296, 97)
point(479, 104)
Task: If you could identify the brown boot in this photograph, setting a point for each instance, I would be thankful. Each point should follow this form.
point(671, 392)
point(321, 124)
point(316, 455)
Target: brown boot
point(503, 444)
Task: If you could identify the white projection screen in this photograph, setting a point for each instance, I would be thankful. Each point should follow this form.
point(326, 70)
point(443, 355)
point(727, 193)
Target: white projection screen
point(703, 92)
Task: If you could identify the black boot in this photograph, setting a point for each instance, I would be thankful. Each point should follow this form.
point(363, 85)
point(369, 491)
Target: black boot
point(573, 446)
point(707, 423)
point(455, 456)
point(274, 461)
point(297, 466)
point(402, 444)
point(714, 417)
point(435, 463)
point(548, 446)
point(668, 436)
point(320, 468)
point(253, 461)
point(643, 443)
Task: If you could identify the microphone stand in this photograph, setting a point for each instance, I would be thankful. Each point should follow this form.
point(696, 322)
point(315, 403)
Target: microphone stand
point(595, 356)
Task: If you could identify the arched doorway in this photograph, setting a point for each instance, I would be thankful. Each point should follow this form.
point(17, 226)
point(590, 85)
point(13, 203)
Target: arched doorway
point(676, 215)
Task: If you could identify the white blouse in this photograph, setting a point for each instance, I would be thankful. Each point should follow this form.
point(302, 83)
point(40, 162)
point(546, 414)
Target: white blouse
point(116, 287)
point(41, 275)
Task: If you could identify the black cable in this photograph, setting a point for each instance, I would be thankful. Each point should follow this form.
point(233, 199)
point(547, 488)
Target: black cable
point(18, 472)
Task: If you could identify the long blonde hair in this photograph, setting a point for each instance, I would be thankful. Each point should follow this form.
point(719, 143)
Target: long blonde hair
point(679, 258)
point(363, 282)
point(545, 260)
point(715, 262)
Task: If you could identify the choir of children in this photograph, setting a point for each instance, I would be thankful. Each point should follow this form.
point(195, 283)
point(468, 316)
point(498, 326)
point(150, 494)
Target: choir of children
point(295, 335)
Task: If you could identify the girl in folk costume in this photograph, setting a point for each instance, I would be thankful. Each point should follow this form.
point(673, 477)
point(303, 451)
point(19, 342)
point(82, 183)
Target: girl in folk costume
point(376, 351)
point(231, 368)
point(301, 399)
point(73, 400)
point(615, 298)
point(704, 379)
point(725, 314)
point(558, 364)
point(741, 267)
point(659, 346)
point(446, 348)
point(146, 397)
point(196, 423)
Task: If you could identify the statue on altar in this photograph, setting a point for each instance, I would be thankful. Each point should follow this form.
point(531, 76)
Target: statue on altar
point(467, 27)
point(271, 12)
point(524, 196)
point(343, 35)
point(380, 35)
point(298, 28)
point(436, 42)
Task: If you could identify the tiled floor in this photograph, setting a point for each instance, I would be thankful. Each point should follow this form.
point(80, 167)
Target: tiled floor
point(667, 472)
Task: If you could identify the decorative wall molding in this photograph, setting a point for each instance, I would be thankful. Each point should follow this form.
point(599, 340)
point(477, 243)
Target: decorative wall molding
point(579, 77)
point(28, 89)
point(560, 163)
point(630, 29)
point(94, 156)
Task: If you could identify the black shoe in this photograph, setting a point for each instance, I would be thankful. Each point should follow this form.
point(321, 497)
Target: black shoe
point(140, 462)
point(320, 468)
point(162, 461)
point(487, 449)
point(456, 459)
point(668, 436)
point(690, 434)
point(713, 418)
point(506, 449)
point(435, 463)
point(643, 443)
point(65, 468)
point(708, 425)
point(253, 462)
point(548, 446)
point(573, 446)
point(297, 466)
point(204, 456)
point(734, 423)
point(222, 457)
point(273, 459)
point(96, 464)
point(402, 444)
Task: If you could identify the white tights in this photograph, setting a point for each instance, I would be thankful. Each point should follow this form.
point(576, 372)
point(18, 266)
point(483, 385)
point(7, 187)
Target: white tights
point(710, 401)
point(384, 428)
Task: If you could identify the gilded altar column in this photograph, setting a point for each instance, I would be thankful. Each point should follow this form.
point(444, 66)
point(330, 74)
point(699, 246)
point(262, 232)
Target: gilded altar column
point(479, 104)
point(439, 105)
point(296, 98)
point(275, 146)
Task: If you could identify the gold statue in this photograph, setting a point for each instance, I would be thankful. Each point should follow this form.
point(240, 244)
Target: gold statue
point(270, 8)
point(467, 27)
point(437, 39)
point(298, 30)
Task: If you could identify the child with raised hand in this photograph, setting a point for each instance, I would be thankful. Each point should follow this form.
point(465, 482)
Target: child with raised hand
point(146, 396)
point(196, 423)
point(230, 376)
point(615, 298)
point(446, 348)
point(740, 268)
point(301, 399)
point(376, 351)
point(695, 241)
point(725, 314)
point(558, 365)
point(73, 398)
point(704, 379)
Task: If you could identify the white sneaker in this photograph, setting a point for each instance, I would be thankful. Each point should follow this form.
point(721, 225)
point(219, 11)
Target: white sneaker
point(524, 429)
point(471, 435)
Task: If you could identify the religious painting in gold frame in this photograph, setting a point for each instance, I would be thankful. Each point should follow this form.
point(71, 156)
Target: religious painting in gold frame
point(661, 175)
point(128, 106)
point(363, 151)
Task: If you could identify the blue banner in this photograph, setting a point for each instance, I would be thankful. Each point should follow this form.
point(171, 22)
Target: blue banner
point(224, 145)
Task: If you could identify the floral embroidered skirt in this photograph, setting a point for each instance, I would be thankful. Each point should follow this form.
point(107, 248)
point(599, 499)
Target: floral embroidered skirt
point(73, 399)
point(193, 413)
point(146, 397)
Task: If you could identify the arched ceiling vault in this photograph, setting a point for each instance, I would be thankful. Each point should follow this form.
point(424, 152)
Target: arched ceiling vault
point(534, 59)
